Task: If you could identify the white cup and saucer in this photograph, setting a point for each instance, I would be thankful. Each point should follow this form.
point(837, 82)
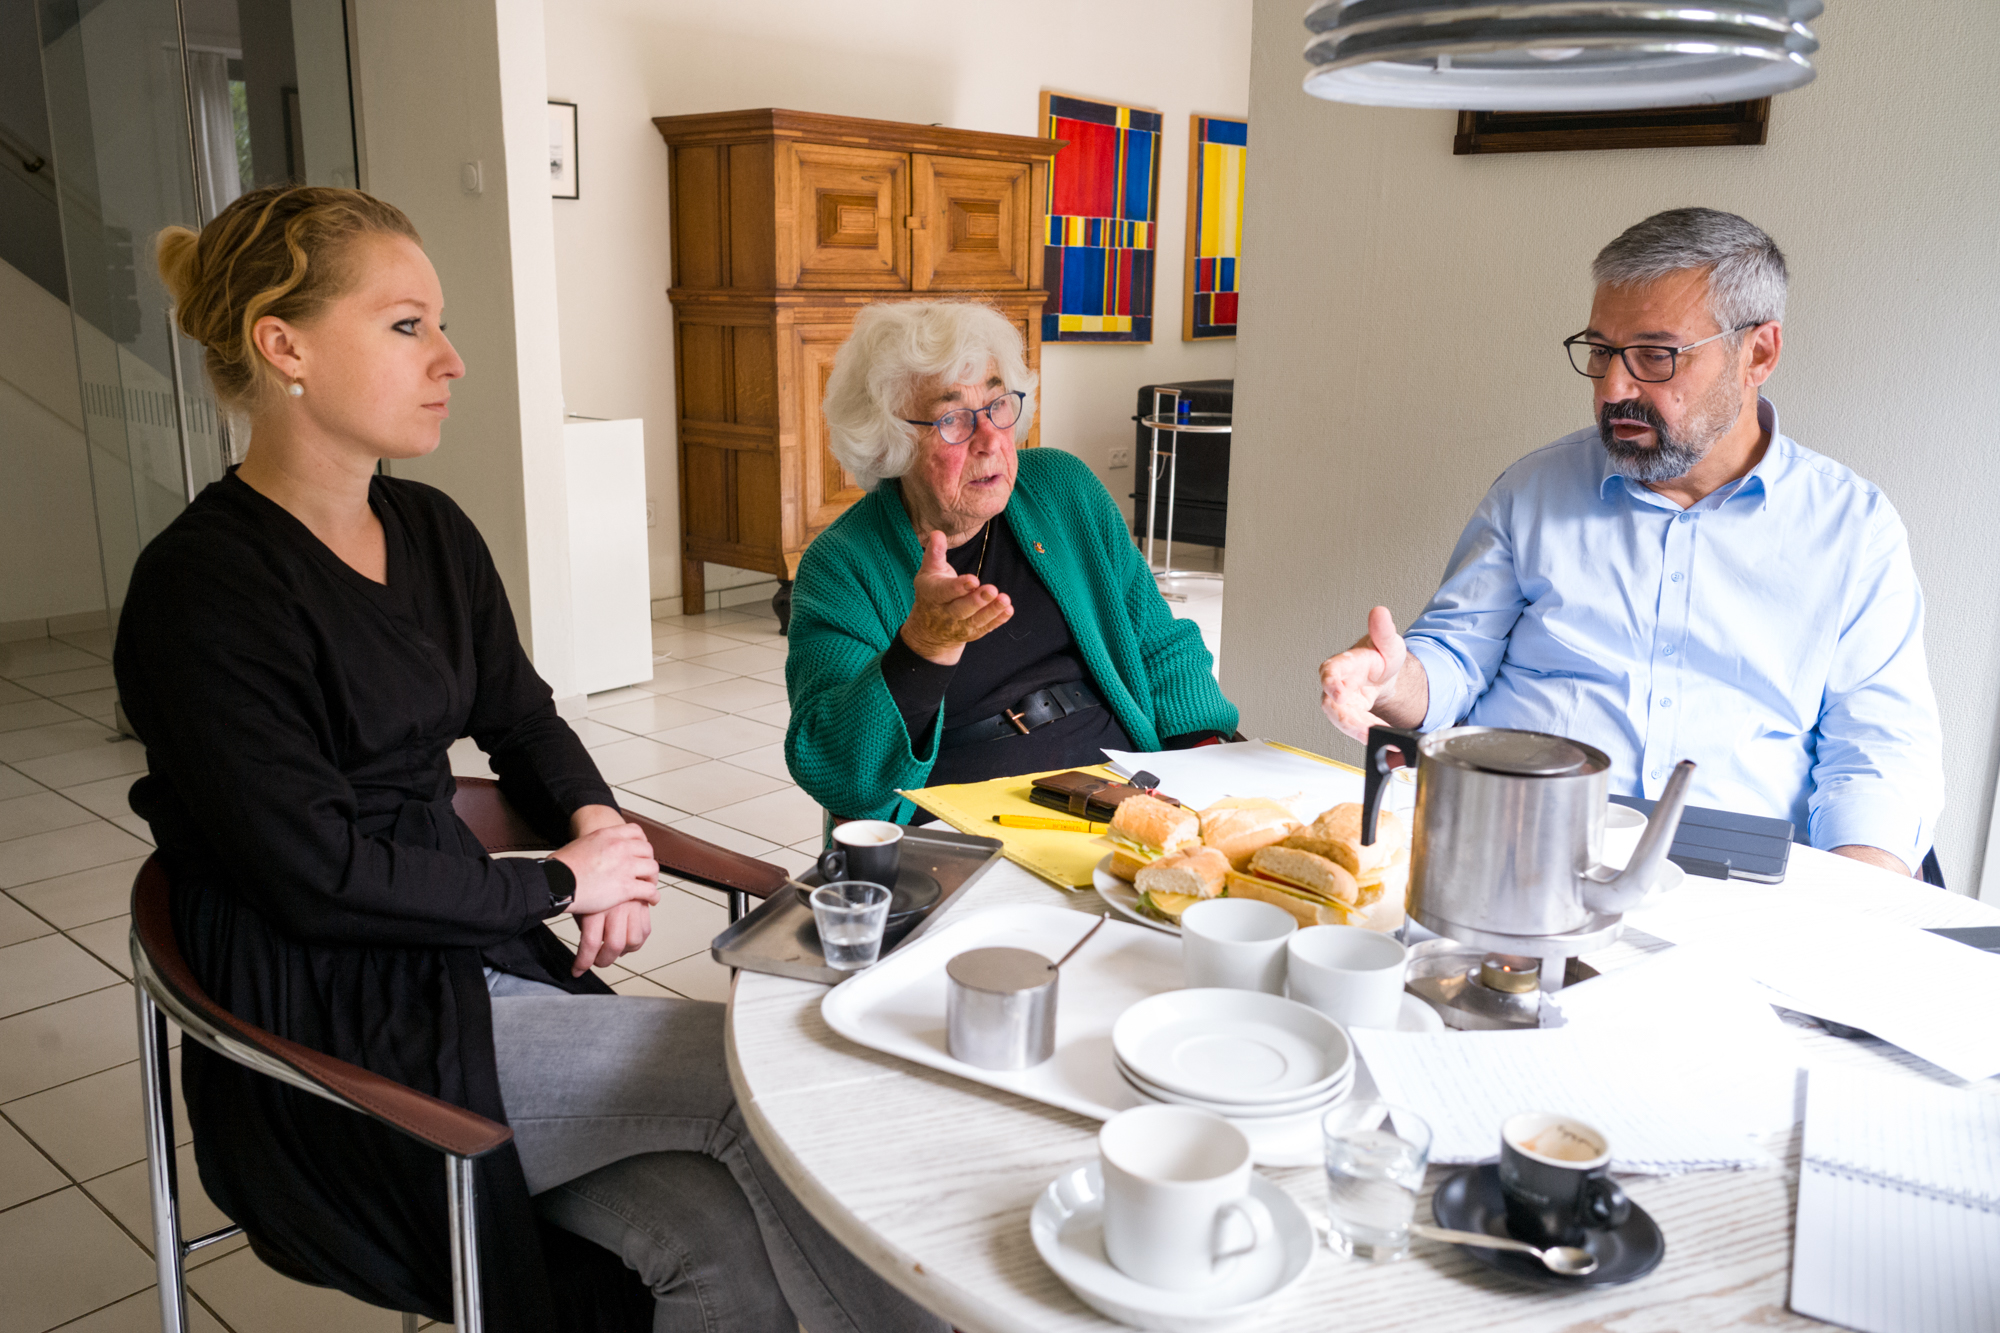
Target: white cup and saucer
point(1170, 1228)
point(1355, 977)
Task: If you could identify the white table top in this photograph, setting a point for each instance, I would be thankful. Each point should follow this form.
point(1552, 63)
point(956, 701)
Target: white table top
point(929, 1178)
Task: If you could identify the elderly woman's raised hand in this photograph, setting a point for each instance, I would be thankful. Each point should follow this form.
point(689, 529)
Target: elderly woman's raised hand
point(952, 609)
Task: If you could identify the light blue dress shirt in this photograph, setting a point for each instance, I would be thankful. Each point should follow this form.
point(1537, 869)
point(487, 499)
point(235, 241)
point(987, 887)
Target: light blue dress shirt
point(1772, 633)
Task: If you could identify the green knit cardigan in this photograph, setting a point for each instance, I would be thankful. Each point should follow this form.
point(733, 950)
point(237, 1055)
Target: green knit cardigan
point(847, 745)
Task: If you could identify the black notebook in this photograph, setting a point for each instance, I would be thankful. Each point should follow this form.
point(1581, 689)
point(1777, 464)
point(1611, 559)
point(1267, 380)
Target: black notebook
point(1722, 844)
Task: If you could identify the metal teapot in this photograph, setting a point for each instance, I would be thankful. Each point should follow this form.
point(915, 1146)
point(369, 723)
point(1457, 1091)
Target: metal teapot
point(1509, 832)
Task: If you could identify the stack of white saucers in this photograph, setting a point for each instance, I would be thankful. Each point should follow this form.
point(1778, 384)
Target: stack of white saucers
point(1239, 1054)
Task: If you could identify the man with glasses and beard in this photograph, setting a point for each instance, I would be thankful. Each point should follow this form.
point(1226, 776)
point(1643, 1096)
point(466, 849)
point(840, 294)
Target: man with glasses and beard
point(1683, 581)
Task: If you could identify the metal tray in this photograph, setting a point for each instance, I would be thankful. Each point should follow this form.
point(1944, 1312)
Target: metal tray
point(780, 938)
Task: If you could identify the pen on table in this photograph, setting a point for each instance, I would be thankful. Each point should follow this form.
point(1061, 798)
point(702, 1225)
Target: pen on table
point(1060, 825)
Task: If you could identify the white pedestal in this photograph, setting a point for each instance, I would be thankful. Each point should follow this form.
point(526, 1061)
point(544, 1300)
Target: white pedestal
point(608, 560)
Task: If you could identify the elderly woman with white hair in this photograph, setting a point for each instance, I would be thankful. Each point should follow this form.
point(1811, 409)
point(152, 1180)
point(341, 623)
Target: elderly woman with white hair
point(981, 612)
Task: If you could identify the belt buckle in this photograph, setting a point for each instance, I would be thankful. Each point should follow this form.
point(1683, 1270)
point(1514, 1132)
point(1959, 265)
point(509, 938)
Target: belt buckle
point(1015, 718)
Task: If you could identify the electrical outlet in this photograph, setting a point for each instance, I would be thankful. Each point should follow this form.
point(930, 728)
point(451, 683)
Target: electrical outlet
point(1121, 458)
point(652, 515)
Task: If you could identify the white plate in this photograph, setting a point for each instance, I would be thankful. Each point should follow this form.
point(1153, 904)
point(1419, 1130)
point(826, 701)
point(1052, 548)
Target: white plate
point(1067, 1224)
point(1416, 1016)
point(1319, 1101)
point(1123, 897)
point(1236, 1046)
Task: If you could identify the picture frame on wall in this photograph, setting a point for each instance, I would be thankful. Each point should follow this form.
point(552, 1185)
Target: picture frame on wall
point(563, 179)
point(1218, 151)
point(1103, 220)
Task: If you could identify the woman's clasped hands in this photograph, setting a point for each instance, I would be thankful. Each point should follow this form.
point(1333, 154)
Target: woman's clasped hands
point(952, 609)
point(617, 886)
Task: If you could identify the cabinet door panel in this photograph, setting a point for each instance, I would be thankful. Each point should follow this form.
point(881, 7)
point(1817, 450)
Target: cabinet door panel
point(975, 221)
point(828, 487)
point(848, 212)
point(757, 501)
point(706, 500)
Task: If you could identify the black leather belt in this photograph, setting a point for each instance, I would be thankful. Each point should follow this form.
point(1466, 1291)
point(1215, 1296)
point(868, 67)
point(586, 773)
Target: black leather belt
point(1036, 710)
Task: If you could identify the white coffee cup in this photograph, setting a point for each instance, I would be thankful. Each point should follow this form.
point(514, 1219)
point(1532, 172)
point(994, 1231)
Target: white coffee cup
point(1235, 943)
point(1623, 827)
point(1353, 976)
point(1177, 1205)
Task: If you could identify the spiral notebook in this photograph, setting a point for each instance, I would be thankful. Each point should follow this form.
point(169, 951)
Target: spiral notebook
point(1899, 1206)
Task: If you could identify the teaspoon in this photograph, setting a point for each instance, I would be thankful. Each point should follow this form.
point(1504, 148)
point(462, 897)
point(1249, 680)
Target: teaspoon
point(1567, 1260)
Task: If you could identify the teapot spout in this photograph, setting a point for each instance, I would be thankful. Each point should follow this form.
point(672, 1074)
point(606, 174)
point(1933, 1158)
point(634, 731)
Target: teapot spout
point(1610, 891)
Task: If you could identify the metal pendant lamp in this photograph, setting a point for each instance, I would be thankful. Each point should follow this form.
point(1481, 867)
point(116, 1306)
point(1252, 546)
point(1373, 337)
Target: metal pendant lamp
point(1556, 55)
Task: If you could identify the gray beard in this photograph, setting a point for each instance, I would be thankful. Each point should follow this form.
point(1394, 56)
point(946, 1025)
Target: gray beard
point(1672, 455)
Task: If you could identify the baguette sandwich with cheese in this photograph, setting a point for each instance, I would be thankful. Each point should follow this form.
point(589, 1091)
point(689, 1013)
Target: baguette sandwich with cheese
point(1146, 828)
point(1336, 835)
point(1174, 883)
point(1239, 826)
point(1315, 890)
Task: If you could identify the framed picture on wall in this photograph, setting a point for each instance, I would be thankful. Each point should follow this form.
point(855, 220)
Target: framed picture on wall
point(1217, 149)
point(1103, 211)
point(562, 151)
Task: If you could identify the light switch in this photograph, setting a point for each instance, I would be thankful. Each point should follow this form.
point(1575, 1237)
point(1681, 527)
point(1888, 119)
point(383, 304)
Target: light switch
point(469, 178)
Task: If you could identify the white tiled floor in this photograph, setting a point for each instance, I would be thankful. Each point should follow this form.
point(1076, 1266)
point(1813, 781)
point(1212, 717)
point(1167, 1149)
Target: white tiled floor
point(698, 747)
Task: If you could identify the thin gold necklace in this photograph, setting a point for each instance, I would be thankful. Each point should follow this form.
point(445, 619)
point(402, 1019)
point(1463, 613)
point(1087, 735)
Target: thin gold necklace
point(984, 542)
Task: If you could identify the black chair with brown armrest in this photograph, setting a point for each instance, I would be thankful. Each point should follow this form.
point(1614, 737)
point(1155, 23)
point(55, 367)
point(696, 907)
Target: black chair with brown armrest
point(166, 988)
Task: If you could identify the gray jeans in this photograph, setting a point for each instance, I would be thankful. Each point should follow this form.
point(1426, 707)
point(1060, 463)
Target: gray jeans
point(630, 1137)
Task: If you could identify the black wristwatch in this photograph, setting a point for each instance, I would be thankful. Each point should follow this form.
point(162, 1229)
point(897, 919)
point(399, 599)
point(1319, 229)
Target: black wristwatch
point(562, 884)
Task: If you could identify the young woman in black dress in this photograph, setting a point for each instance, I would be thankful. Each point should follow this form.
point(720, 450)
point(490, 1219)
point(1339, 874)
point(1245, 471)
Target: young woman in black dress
point(297, 651)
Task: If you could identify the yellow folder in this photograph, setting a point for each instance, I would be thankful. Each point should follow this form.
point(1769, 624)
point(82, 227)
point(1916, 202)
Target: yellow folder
point(1064, 859)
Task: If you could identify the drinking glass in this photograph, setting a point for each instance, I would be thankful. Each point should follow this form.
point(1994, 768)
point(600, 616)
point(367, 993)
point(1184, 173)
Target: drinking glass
point(850, 916)
point(1375, 1159)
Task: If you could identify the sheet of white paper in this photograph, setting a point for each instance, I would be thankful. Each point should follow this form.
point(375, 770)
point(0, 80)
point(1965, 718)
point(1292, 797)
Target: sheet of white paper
point(1705, 1025)
point(1916, 990)
point(1203, 776)
point(1467, 1083)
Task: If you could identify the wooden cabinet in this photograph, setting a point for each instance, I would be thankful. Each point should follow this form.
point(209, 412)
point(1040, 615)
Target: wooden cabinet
point(784, 225)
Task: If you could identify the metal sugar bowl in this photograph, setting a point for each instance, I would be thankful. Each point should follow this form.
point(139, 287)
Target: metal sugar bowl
point(1508, 838)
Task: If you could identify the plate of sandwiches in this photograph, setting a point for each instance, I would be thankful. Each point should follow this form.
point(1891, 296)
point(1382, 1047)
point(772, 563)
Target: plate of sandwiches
point(1166, 858)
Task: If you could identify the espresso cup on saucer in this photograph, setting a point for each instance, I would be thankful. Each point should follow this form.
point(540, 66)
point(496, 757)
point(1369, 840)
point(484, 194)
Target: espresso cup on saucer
point(1177, 1204)
point(864, 849)
point(1353, 976)
point(1235, 944)
point(1555, 1173)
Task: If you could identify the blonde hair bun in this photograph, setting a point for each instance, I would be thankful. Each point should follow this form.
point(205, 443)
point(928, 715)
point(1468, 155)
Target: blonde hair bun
point(277, 251)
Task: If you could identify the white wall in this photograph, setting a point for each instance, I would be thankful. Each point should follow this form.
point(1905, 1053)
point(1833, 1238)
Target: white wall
point(1366, 433)
point(436, 89)
point(969, 66)
point(48, 529)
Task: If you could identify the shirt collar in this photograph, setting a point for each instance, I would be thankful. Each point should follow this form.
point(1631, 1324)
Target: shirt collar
point(1756, 482)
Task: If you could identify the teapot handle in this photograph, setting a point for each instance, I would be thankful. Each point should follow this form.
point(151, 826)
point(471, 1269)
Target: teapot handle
point(1375, 768)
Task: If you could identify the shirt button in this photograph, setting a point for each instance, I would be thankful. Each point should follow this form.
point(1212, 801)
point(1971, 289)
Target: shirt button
point(1666, 703)
point(1669, 650)
point(1677, 577)
point(1687, 518)
point(1656, 775)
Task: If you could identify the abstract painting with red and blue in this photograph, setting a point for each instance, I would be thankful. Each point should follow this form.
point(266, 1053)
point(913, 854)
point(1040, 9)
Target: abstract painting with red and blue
point(1103, 220)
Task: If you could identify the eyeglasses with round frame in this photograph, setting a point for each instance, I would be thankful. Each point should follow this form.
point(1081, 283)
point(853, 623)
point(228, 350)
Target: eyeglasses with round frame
point(1655, 365)
point(958, 425)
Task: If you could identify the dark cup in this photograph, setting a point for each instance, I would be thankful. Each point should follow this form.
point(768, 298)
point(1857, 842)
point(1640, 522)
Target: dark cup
point(1555, 1174)
point(864, 849)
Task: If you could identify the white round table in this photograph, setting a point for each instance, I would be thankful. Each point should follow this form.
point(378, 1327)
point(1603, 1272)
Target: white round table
point(929, 1178)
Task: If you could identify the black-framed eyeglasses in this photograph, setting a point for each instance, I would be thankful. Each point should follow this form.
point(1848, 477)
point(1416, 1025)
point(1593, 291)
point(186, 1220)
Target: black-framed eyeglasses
point(1645, 363)
point(957, 426)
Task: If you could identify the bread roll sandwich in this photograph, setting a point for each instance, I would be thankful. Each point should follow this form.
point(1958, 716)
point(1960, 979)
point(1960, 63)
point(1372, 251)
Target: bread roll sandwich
point(1336, 835)
point(1381, 893)
point(1146, 828)
point(1310, 887)
point(1175, 883)
point(1237, 826)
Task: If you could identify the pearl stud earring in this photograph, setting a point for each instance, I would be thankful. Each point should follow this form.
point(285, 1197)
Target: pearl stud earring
point(297, 390)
